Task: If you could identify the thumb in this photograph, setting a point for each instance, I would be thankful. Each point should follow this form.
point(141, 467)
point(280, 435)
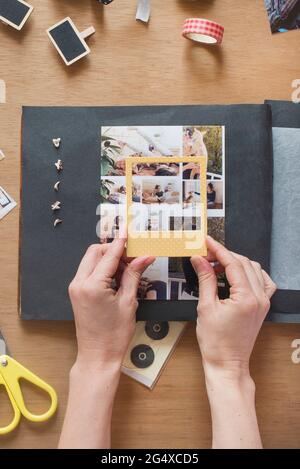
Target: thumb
point(207, 280)
point(132, 275)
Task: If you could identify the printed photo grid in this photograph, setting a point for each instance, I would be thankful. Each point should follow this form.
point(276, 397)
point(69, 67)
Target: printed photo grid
point(155, 187)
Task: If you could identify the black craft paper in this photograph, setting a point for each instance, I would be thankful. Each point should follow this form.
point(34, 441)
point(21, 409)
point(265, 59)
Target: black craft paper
point(50, 256)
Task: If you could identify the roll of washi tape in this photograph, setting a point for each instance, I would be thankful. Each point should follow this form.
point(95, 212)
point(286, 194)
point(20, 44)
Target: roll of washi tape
point(201, 30)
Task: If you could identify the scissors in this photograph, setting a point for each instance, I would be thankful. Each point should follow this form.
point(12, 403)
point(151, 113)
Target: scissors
point(10, 373)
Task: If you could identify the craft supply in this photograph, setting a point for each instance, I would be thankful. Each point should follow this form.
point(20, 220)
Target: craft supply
point(143, 11)
point(149, 350)
point(7, 203)
point(157, 330)
point(57, 221)
point(201, 30)
point(56, 205)
point(56, 142)
point(142, 356)
point(15, 13)
point(10, 374)
point(59, 165)
point(2, 156)
point(69, 42)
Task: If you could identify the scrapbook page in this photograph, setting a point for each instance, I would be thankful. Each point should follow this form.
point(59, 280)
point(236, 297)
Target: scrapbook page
point(91, 187)
point(168, 182)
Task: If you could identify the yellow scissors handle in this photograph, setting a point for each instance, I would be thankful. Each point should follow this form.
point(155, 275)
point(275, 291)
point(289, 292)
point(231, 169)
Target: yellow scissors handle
point(12, 372)
point(17, 414)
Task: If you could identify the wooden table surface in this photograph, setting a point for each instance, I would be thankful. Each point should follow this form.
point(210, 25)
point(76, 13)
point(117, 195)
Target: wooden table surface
point(132, 63)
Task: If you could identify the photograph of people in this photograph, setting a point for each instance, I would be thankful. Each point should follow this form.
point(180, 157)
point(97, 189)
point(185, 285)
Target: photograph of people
point(136, 192)
point(117, 143)
point(193, 142)
point(191, 171)
point(152, 289)
point(159, 193)
point(167, 191)
point(118, 221)
point(183, 281)
point(113, 191)
point(191, 193)
point(211, 195)
point(153, 285)
point(114, 231)
point(112, 219)
point(206, 141)
point(154, 220)
point(215, 195)
point(156, 169)
point(184, 223)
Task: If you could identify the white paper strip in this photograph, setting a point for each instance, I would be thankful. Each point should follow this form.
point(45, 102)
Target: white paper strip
point(143, 11)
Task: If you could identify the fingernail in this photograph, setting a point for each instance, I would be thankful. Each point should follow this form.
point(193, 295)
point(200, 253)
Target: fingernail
point(147, 259)
point(123, 233)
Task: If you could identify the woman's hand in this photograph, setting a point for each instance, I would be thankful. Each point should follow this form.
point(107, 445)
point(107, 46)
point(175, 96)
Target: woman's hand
point(227, 329)
point(105, 318)
point(105, 323)
point(226, 332)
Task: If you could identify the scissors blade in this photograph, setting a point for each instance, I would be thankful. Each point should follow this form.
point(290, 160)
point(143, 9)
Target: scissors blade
point(3, 347)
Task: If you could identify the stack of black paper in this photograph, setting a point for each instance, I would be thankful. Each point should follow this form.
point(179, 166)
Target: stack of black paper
point(50, 256)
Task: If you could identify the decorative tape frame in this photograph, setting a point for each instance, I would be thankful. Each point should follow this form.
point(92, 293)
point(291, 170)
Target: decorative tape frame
point(169, 243)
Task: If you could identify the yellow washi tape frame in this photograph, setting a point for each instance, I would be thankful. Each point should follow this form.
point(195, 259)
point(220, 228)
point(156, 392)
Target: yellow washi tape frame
point(169, 243)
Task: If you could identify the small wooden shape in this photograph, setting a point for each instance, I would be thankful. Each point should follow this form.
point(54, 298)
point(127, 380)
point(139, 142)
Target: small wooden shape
point(57, 221)
point(56, 142)
point(69, 42)
point(56, 206)
point(56, 186)
point(15, 13)
point(59, 165)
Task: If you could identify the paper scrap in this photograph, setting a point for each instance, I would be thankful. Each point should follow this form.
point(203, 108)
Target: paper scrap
point(143, 11)
point(7, 203)
point(2, 156)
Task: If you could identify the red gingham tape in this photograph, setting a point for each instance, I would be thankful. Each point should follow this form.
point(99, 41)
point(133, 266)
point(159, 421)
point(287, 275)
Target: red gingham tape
point(202, 30)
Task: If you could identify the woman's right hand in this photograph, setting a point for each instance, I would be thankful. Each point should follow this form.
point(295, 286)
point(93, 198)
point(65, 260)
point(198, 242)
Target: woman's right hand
point(227, 329)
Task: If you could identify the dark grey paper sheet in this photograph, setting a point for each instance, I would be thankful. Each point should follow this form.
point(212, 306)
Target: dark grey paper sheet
point(49, 257)
point(285, 246)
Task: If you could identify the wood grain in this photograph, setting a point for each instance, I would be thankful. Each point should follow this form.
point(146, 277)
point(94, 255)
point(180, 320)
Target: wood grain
point(132, 63)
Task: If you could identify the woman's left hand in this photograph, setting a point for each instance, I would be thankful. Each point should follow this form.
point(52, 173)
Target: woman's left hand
point(105, 318)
